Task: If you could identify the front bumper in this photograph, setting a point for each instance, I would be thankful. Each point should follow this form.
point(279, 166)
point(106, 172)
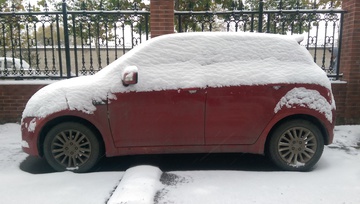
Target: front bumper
point(30, 136)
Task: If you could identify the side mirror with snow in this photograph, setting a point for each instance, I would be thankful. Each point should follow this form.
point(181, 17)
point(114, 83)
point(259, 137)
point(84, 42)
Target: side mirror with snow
point(129, 76)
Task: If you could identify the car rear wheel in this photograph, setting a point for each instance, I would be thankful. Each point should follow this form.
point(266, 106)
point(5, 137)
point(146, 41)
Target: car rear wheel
point(71, 146)
point(296, 145)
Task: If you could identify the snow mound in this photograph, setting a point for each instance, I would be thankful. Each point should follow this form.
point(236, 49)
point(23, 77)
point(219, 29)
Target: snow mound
point(138, 186)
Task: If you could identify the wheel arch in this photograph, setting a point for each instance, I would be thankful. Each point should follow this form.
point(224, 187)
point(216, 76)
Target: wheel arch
point(50, 124)
point(310, 118)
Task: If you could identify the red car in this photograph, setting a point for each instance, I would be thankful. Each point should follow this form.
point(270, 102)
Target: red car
point(188, 93)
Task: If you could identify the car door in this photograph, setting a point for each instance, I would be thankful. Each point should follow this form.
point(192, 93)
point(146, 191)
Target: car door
point(238, 114)
point(158, 118)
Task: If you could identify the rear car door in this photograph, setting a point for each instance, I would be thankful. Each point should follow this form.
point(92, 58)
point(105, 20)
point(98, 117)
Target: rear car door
point(238, 114)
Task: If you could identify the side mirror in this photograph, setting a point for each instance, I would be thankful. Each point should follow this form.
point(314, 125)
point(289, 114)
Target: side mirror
point(130, 76)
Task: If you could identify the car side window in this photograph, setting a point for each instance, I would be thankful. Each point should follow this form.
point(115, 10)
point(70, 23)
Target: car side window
point(1, 64)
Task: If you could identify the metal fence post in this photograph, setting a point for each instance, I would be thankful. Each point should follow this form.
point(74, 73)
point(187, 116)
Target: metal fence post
point(66, 39)
point(147, 26)
point(339, 46)
point(261, 11)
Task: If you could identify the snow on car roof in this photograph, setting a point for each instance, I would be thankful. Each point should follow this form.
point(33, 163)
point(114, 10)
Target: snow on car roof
point(187, 60)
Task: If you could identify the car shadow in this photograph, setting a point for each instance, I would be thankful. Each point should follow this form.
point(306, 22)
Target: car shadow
point(168, 162)
point(36, 165)
point(191, 162)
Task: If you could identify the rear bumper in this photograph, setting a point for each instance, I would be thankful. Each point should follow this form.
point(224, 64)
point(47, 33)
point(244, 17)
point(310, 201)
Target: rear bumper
point(330, 127)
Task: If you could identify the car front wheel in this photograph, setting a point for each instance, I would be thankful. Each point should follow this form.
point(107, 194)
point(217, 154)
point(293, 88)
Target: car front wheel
point(71, 146)
point(296, 145)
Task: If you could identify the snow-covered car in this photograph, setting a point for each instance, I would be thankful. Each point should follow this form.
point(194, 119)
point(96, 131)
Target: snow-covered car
point(11, 64)
point(188, 93)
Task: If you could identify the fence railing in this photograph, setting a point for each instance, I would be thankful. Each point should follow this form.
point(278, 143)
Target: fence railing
point(64, 44)
point(321, 28)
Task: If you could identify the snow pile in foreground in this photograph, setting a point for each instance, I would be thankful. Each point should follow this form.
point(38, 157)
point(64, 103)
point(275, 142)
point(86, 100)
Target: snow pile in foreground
point(187, 60)
point(138, 186)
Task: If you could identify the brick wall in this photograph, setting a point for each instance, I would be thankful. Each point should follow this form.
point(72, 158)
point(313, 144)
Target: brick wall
point(13, 98)
point(339, 91)
point(350, 60)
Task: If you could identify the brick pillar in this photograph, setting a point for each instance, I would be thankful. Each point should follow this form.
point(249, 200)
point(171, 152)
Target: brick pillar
point(350, 60)
point(161, 17)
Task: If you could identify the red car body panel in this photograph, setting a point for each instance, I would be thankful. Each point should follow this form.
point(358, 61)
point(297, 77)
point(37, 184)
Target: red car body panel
point(225, 119)
point(159, 118)
point(237, 115)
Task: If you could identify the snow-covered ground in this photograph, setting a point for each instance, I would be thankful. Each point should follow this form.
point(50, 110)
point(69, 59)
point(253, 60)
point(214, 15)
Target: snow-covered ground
point(336, 179)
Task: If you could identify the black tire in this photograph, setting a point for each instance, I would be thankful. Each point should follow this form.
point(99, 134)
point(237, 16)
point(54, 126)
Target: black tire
point(296, 145)
point(72, 146)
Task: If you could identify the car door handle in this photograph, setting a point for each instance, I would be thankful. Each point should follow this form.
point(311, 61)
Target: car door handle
point(190, 90)
point(277, 87)
point(96, 103)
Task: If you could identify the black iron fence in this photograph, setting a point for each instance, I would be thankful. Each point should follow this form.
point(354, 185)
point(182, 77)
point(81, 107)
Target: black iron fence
point(63, 44)
point(319, 24)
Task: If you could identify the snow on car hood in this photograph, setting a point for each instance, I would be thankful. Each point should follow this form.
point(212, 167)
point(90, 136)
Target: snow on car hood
point(187, 60)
